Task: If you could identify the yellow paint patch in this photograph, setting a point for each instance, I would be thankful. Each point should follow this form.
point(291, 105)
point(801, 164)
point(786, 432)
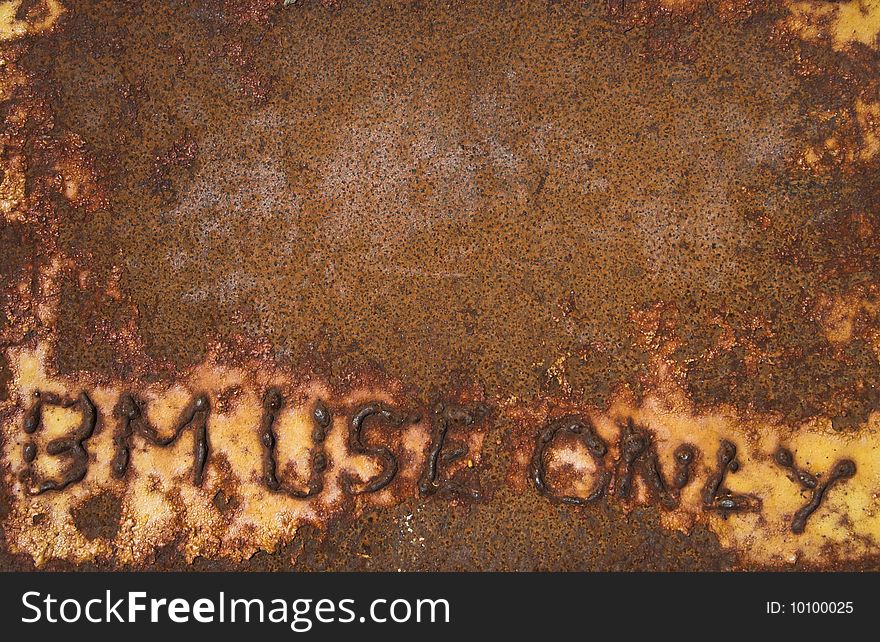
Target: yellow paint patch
point(160, 503)
point(846, 525)
point(41, 20)
point(868, 118)
point(855, 137)
point(842, 24)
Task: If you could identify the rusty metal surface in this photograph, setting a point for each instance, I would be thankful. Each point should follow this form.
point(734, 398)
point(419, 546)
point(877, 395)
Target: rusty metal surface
point(664, 211)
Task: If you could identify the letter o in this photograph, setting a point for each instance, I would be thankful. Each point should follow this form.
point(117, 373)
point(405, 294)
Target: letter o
point(62, 610)
point(408, 610)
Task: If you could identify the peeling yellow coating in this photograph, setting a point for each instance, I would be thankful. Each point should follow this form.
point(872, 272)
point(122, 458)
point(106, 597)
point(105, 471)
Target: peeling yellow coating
point(856, 136)
point(12, 27)
point(868, 116)
point(841, 23)
point(845, 526)
point(848, 514)
point(842, 26)
point(160, 503)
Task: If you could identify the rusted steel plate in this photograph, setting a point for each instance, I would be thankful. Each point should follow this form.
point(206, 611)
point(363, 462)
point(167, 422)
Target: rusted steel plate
point(423, 285)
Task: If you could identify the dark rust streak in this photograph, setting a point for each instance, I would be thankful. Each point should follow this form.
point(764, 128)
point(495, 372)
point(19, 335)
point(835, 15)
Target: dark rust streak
point(634, 442)
point(132, 419)
point(201, 453)
point(357, 446)
point(322, 418)
point(444, 417)
point(684, 460)
point(595, 446)
point(718, 498)
point(842, 470)
point(70, 446)
point(273, 402)
point(785, 458)
point(639, 456)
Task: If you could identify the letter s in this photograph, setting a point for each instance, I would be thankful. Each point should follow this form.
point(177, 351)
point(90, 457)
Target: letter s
point(24, 600)
point(343, 606)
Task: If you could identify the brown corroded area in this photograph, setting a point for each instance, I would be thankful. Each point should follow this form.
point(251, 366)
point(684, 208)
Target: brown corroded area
point(475, 196)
